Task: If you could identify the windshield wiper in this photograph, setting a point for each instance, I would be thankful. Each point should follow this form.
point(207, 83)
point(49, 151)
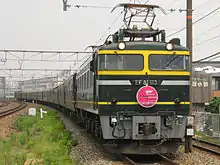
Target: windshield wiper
point(170, 61)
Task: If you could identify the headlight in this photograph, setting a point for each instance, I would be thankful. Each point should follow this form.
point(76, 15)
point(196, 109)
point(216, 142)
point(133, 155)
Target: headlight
point(177, 101)
point(114, 101)
point(121, 45)
point(169, 46)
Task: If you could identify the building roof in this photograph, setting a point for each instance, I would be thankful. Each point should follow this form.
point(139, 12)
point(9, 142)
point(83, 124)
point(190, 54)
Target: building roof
point(214, 66)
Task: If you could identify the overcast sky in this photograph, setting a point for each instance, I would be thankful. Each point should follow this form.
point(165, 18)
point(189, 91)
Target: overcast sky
point(42, 25)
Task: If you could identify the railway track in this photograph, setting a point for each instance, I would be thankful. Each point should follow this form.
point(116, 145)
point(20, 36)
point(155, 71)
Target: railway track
point(131, 159)
point(127, 160)
point(206, 146)
point(161, 159)
point(7, 112)
point(168, 161)
point(3, 103)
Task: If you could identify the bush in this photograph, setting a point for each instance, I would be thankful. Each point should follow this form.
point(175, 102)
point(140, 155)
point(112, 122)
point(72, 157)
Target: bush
point(25, 122)
point(214, 105)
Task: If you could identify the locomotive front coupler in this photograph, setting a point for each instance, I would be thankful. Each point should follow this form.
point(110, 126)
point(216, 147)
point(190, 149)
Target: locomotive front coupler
point(149, 129)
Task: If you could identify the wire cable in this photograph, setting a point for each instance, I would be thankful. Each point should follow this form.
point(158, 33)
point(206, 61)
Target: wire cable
point(109, 28)
point(203, 42)
point(205, 58)
point(171, 10)
point(199, 6)
point(91, 6)
point(198, 20)
point(173, 2)
point(210, 29)
point(201, 62)
point(103, 7)
point(147, 1)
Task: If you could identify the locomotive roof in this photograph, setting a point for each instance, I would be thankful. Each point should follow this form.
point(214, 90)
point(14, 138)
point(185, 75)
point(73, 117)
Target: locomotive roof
point(140, 45)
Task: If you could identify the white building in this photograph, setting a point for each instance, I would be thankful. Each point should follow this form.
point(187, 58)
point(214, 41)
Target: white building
point(39, 84)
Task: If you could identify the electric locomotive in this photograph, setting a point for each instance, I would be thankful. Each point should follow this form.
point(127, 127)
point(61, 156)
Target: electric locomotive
point(133, 91)
point(137, 89)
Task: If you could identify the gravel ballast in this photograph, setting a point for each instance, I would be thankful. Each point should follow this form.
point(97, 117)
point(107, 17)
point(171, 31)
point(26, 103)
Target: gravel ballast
point(196, 157)
point(87, 151)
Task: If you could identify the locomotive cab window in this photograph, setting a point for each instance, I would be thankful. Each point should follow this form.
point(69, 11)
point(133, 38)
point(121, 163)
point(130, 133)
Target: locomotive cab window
point(169, 62)
point(120, 62)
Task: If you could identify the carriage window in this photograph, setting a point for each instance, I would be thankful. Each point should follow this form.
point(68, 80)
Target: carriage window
point(80, 83)
point(83, 81)
point(169, 62)
point(121, 62)
point(87, 79)
point(91, 82)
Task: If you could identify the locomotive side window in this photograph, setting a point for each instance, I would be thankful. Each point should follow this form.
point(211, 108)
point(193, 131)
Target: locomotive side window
point(120, 62)
point(169, 62)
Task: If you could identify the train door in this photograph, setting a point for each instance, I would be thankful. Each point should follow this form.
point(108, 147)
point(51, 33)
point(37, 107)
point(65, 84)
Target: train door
point(93, 68)
point(74, 90)
point(64, 94)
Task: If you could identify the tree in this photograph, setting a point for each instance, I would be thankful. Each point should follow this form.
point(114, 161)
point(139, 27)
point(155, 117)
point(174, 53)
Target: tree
point(214, 105)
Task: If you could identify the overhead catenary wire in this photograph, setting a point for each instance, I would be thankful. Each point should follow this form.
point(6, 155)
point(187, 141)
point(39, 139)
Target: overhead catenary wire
point(197, 21)
point(172, 10)
point(116, 20)
point(91, 6)
point(105, 7)
point(208, 30)
point(203, 42)
point(213, 58)
point(109, 28)
point(173, 2)
point(147, 1)
point(135, 1)
point(199, 6)
point(208, 57)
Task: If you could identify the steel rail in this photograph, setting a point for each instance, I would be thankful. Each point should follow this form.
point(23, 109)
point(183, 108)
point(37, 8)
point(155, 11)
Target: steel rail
point(198, 143)
point(206, 149)
point(127, 160)
point(167, 160)
point(206, 142)
point(12, 110)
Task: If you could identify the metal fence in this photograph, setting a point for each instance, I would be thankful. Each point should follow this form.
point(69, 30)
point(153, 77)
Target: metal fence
point(2, 88)
point(207, 123)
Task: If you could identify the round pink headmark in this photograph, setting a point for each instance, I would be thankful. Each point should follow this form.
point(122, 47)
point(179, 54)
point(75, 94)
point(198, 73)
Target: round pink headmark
point(147, 96)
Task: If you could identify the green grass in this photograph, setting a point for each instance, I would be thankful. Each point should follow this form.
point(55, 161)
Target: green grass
point(207, 138)
point(41, 139)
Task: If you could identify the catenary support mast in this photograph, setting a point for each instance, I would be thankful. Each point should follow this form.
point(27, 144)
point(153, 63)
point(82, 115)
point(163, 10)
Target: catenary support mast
point(189, 25)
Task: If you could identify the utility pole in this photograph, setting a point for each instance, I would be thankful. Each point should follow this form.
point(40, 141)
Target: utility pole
point(65, 5)
point(188, 145)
